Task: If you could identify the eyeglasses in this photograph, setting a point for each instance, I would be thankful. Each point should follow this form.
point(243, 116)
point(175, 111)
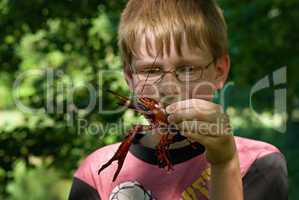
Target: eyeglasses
point(154, 74)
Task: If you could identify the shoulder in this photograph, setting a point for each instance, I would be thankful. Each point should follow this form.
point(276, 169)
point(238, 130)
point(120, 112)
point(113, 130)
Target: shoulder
point(256, 147)
point(101, 154)
point(89, 166)
point(85, 181)
point(264, 170)
point(250, 150)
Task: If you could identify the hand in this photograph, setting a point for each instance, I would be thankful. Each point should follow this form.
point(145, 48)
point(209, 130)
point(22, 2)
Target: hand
point(204, 122)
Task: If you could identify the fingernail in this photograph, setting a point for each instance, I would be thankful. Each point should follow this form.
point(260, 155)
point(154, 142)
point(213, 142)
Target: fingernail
point(170, 118)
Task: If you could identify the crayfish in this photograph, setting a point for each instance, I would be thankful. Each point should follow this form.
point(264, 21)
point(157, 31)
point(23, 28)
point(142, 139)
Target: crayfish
point(158, 122)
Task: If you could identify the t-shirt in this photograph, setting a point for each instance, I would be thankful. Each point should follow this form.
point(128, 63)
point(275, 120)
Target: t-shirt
point(263, 170)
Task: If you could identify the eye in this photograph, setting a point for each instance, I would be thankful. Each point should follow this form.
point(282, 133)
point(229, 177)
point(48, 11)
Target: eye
point(151, 70)
point(185, 69)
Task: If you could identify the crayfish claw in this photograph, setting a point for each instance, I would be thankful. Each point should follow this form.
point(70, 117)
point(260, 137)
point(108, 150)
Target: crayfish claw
point(104, 166)
point(117, 171)
point(122, 150)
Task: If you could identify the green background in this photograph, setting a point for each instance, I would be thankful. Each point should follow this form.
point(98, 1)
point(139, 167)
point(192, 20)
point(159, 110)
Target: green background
point(39, 151)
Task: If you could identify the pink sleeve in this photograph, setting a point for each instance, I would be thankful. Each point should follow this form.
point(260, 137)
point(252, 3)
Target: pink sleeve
point(85, 172)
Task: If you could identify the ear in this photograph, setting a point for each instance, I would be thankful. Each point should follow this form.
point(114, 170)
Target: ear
point(222, 70)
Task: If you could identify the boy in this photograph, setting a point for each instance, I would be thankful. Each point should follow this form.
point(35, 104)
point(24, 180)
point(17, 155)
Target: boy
point(176, 52)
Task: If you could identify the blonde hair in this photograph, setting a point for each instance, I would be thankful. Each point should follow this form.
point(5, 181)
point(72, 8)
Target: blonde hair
point(200, 21)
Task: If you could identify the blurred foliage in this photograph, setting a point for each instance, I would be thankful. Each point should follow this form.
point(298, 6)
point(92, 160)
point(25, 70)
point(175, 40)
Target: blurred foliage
point(263, 37)
point(73, 41)
point(33, 183)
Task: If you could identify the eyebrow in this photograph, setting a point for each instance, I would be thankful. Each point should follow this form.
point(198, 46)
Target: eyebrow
point(140, 62)
point(148, 63)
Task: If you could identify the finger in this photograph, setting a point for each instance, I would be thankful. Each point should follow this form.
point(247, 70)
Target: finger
point(194, 109)
point(205, 128)
point(208, 141)
point(184, 115)
point(202, 139)
point(192, 114)
point(191, 103)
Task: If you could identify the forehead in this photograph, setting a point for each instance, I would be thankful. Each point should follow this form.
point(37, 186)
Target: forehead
point(149, 49)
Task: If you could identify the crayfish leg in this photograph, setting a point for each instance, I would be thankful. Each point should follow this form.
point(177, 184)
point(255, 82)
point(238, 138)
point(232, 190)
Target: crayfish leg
point(163, 152)
point(192, 144)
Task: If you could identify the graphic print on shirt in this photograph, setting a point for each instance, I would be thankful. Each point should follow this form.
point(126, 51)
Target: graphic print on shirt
point(199, 189)
point(130, 190)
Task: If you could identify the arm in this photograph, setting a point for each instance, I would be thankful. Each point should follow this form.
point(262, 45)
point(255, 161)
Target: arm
point(226, 182)
point(204, 122)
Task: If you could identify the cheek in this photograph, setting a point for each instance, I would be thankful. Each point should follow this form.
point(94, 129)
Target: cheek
point(147, 90)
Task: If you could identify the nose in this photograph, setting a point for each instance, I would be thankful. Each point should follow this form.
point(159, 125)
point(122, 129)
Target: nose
point(169, 88)
point(169, 81)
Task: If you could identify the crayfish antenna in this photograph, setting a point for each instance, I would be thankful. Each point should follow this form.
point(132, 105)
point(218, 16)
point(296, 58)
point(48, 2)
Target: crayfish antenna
point(123, 100)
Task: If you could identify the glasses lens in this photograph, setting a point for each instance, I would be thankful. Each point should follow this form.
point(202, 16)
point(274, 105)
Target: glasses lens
point(191, 75)
point(149, 77)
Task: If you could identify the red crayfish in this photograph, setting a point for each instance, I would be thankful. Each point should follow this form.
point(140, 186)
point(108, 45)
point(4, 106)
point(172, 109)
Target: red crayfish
point(157, 118)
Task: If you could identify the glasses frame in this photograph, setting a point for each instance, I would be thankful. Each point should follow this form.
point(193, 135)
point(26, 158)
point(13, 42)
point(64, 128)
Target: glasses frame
point(202, 69)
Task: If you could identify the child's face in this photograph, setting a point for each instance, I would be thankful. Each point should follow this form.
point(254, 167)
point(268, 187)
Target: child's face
point(196, 74)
